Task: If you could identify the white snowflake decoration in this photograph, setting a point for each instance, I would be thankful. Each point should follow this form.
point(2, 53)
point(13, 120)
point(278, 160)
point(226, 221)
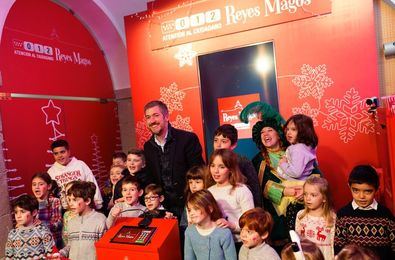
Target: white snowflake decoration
point(185, 55)
point(142, 133)
point(306, 109)
point(182, 123)
point(172, 97)
point(348, 116)
point(313, 81)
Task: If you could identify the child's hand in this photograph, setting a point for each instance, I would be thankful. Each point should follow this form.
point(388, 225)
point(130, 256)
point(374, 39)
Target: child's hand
point(115, 212)
point(283, 160)
point(223, 223)
point(119, 200)
point(289, 191)
point(169, 215)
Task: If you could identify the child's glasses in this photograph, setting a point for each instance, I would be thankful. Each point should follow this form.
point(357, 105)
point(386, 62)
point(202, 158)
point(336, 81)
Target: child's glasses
point(152, 198)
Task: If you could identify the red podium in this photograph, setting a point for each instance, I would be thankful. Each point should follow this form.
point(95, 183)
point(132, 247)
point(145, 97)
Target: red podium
point(164, 244)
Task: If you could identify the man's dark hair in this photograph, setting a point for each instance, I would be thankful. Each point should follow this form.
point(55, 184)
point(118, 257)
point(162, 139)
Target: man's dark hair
point(60, 143)
point(227, 131)
point(157, 103)
point(364, 174)
point(26, 202)
point(120, 155)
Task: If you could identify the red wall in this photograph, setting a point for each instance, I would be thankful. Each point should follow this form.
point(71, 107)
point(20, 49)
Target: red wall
point(326, 67)
point(30, 125)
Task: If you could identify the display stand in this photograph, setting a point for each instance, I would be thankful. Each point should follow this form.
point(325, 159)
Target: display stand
point(164, 243)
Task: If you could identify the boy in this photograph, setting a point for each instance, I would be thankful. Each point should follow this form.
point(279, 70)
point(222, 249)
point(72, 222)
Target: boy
point(67, 168)
point(363, 221)
point(225, 137)
point(130, 206)
point(256, 225)
point(135, 164)
point(27, 240)
point(154, 196)
point(87, 226)
point(119, 158)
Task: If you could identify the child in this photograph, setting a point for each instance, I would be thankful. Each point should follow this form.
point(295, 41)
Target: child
point(119, 158)
point(364, 221)
point(297, 164)
point(108, 190)
point(204, 239)
point(153, 199)
point(49, 207)
point(317, 221)
point(354, 252)
point(225, 137)
point(68, 214)
point(233, 197)
point(135, 164)
point(130, 206)
point(256, 225)
point(300, 156)
point(87, 227)
point(309, 249)
point(67, 168)
point(28, 241)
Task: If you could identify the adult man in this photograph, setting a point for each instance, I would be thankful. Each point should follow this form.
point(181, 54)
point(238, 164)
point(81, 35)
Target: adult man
point(169, 154)
point(67, 169)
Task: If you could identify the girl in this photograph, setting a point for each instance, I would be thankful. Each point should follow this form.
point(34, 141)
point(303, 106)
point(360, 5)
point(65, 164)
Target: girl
point(49, 207)
point(300, 156)
point(317, 221)
point(108, 191)
point(232, 196)
point(203, 239)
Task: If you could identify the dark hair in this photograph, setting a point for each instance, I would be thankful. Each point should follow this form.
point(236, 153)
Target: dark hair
point(197, 172)
point(26, 202)
point(138, 152)
point(154, 188)
point(83, 189)
point(257, 219)
point(227, 131)
point(203, 199)
point(230, 160)
point(60, 143)
point(157, 103)
point(130, 179)
point(364, 174)
point(120, 155)
point(305, 126)
point(310, 251)
point(354, 252)
point(44, 176)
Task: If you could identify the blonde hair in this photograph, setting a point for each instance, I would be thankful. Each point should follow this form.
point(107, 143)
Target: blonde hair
point(323, 188)
point(229, 159)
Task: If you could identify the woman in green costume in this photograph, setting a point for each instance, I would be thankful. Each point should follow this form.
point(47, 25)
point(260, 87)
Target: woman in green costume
point(270, 140)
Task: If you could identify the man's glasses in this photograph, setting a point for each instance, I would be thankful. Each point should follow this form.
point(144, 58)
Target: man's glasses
point(152, 198)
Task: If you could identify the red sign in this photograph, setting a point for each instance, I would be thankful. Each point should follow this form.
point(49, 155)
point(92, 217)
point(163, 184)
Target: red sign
point(229, 109)
point(206, 19)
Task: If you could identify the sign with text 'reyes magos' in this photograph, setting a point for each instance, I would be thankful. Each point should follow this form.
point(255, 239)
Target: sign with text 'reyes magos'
point(229, 109)
point(205, 19)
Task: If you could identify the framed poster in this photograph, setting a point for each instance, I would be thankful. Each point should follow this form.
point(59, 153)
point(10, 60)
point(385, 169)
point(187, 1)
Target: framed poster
point(231, 79)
